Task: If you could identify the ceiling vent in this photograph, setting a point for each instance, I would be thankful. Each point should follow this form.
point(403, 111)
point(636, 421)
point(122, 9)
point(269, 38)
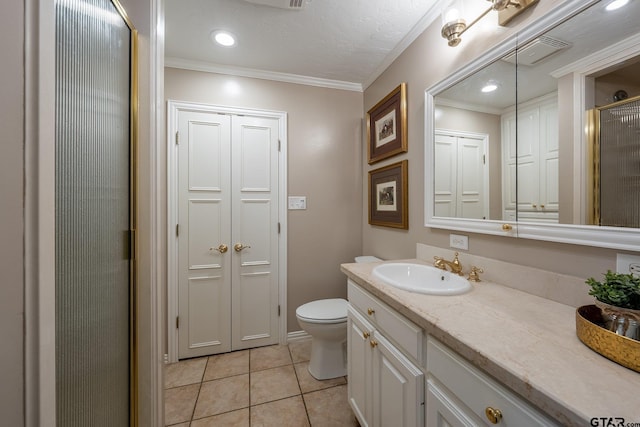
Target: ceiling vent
point(282, 4)
point(537, 50)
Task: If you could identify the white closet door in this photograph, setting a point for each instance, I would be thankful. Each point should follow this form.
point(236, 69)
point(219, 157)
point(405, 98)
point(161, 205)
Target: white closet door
point(255, 231)
point(445, 173)
point(471, 181)
point(204, 217)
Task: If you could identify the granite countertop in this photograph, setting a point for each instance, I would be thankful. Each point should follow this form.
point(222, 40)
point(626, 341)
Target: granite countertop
point(526, 342)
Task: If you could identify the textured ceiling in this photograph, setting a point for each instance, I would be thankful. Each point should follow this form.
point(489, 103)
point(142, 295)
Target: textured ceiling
point(342, 40)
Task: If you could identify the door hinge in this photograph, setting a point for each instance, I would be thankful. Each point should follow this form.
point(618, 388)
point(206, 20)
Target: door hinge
point(484, 159)
point(177, 230)
point(279, 145)
point(177, 322)
point(177, 138)
point(278, 228)
point(278, 310)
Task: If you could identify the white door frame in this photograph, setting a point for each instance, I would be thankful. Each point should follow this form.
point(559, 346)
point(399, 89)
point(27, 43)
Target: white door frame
point(173, 109)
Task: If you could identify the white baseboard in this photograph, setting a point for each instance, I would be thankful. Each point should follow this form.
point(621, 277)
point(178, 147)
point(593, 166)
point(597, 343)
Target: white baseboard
point(298, 336)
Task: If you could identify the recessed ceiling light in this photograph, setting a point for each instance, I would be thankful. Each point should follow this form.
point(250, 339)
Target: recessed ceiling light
point(223, 38)
point(489, 87)
point(616, 4)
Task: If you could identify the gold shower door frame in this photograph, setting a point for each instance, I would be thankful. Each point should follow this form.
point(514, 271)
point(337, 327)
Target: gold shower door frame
point(593, 136)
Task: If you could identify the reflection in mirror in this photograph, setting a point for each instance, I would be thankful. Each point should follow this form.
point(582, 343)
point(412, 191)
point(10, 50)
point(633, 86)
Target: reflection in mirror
point(523, 155)
point(467, 143)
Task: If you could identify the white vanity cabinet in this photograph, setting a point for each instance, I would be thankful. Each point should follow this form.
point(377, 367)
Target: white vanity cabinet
point(459, 394)
point(385, 387)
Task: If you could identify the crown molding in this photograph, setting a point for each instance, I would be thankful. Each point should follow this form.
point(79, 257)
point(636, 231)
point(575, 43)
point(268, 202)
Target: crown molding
point(187, 64)
point(416, 31)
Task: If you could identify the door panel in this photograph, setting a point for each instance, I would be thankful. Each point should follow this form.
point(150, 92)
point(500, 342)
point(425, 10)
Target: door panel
point(255, 195)
point(204, 214)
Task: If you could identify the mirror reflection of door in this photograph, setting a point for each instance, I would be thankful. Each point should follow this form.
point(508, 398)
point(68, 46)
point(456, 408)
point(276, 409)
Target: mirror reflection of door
point(461, 175)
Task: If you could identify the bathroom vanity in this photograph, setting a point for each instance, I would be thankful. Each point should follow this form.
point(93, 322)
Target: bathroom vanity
point(494, 355)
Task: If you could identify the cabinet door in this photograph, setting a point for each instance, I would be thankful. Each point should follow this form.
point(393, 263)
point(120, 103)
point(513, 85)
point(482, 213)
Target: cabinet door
point(359, 366)
point(398, 387)
point(442, 411)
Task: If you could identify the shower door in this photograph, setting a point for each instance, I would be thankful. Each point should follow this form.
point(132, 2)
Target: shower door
point(94, 214)
point(617, 164)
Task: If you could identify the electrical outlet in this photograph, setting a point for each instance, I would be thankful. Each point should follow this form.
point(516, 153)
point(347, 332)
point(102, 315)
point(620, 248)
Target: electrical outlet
point(459, 241)
point(628, 264)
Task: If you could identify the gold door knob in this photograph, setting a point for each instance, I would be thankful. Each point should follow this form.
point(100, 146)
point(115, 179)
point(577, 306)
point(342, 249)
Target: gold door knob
point(373, 343)
point(542, 206)
point(534, 205)
point(366, 335)
point(222, 248)
point(507, 227)
point(370, 311)
point(238, 247)
point(493, 415)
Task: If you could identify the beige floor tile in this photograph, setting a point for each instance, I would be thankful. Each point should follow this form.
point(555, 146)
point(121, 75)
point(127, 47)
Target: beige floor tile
point(239, 418)
point(179, 403)
point(227, 365)
point(308, 383)
point(269, 357)
point(300, 351)
point(329, 408)
point(223, 395)
point(273, 384)
point(288, 412)
point(185, 372)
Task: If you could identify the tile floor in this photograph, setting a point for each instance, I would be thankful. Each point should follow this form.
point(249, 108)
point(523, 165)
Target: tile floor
point(267, 386)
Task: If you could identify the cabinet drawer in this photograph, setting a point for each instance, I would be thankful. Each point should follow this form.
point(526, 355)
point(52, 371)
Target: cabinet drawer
point(477, 391)
point(404, 332)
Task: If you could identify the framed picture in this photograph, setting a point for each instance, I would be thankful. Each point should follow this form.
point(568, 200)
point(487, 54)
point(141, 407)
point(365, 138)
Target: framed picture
point(387, 126)
point(388, 196)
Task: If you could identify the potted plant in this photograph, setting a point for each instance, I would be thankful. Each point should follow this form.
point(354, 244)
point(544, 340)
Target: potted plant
point(618, 297)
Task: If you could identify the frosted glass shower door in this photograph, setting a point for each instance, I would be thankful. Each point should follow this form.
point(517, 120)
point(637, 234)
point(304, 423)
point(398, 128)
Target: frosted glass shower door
point(93, 214)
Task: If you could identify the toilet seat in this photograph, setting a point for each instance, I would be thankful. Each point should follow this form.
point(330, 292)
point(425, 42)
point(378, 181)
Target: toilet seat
point(333, 310)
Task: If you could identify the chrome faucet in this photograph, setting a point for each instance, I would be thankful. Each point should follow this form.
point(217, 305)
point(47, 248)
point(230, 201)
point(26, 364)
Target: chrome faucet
point(454, 265)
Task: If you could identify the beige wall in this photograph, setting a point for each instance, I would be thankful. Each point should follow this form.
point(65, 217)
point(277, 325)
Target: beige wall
point(324, 164)
point(12, 213)
point(471, 121)
point(427, 61)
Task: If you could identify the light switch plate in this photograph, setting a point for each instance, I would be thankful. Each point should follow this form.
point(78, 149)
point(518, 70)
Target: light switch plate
point(628, 264)
point(459, 241)
point(297, 203)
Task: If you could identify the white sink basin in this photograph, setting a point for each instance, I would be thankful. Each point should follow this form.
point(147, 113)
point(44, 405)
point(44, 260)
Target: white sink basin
point(422, 279)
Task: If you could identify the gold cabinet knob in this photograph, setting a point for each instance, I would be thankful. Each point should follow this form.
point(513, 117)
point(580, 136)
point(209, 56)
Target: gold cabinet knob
point(370, 311)
point(366, 335)
point(534, 205)
point(238, 247)
point(222, 248)
point(507, 227)
point(542, 206)
point(373, 343)
point(493, 415)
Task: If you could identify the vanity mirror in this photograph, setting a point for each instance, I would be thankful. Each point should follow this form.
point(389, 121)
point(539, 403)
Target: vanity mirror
point(512, 139)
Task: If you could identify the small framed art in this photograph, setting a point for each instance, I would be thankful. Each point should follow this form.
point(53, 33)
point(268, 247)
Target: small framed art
point(387, 126)
point(388, 196)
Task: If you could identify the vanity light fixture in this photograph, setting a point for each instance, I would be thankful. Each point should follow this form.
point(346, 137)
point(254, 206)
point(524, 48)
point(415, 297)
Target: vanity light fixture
point(453, 25)
point(616, 4)
point(223, 38)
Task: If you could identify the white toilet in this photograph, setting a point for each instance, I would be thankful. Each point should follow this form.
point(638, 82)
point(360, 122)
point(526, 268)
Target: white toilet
point(326, 321)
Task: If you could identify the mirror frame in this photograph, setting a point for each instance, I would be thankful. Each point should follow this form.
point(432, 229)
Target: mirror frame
point(589, 235)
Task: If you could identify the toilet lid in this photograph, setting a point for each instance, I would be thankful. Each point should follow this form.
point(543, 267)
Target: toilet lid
point(324, 310)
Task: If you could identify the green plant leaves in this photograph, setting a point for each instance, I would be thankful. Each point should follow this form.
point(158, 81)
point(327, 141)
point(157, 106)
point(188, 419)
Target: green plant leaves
point(621, 290)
